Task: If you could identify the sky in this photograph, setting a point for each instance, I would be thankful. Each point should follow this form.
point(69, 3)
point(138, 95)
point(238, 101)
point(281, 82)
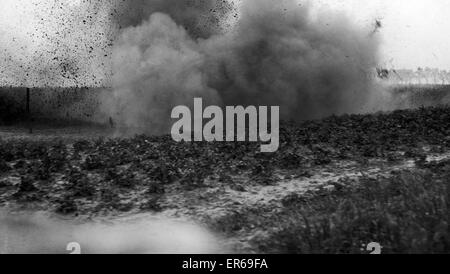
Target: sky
point(414, 34)
point(54, 42)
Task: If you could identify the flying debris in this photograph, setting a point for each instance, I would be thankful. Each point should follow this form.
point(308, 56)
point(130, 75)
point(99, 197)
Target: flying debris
point(272, 55)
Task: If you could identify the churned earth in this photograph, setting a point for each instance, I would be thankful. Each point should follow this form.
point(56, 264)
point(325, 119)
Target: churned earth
point(334, 186)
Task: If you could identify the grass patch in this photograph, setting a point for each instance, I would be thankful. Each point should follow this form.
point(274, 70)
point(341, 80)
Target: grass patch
point(408, 213)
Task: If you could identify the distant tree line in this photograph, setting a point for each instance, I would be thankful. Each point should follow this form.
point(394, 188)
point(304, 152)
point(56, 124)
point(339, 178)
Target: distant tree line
point(420, 76)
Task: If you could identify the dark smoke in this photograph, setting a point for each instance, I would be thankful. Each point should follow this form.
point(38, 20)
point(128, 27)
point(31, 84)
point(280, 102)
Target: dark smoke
point(201, 18)
point(279, 55)
point(311, 63)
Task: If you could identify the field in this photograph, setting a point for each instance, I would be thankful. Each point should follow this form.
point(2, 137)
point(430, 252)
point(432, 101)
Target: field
point(334, 186)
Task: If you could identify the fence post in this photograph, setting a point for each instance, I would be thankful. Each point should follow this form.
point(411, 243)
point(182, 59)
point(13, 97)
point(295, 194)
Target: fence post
point(28, 111)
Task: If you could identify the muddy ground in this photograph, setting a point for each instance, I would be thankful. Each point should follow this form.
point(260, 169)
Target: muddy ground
point(272, 203)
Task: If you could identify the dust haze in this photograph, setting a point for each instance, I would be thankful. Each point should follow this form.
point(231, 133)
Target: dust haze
point(312, 63)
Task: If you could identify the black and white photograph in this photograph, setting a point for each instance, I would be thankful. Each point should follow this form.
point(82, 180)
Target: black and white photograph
point(233, 127)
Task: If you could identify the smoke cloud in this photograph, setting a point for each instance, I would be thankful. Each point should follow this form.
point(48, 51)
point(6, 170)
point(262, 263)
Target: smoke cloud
point(157, 66)
point(200, 18)
point(312, 63)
